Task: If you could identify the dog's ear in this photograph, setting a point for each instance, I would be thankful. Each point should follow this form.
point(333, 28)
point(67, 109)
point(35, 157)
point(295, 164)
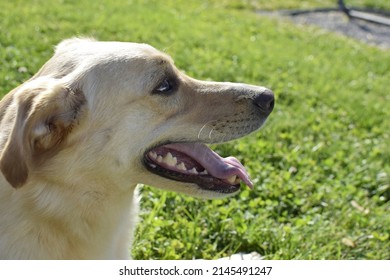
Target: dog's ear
point(44, 114)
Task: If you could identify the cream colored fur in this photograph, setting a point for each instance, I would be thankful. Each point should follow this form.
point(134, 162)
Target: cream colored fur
point(72, 140)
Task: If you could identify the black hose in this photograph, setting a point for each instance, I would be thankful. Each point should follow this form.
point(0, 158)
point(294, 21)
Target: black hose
point(351, 13)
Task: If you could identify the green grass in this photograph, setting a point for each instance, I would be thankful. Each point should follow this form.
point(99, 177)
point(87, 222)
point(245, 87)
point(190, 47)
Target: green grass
point(321, 165)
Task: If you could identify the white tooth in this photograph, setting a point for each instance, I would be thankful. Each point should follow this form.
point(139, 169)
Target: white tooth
point(204, 172)
point(153, 155)
point(232, 179)
point(193, 171)
point(181, 166)
point(159, 159)
point(170, 160)
point(174, 161)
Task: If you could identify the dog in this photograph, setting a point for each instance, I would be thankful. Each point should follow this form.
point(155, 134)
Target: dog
point(95, 121)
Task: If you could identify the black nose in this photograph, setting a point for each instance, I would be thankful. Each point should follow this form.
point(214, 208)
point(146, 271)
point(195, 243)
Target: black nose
point(265, 101)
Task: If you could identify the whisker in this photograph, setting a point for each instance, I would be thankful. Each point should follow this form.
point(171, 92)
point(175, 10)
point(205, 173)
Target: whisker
point(211, 131)
point(200, 131)
point(203, 127)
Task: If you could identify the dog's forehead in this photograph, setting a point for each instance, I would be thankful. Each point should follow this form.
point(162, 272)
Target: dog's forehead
point(103, 51)
point(75, 58)
point(149, 53)
point(131, 51)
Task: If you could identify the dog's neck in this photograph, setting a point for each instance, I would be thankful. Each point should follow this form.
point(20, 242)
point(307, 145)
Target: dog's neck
point(85, 215)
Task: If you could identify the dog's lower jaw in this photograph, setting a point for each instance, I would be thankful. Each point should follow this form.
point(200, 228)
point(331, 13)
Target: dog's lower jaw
point(101, 227)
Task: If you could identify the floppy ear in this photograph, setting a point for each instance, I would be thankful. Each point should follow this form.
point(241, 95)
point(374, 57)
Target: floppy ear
point(45, 114)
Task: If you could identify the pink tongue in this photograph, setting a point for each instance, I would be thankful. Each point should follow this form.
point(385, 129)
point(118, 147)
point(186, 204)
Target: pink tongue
point(219, 167)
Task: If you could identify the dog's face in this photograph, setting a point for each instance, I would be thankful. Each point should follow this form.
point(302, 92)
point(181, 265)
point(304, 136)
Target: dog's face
point(122, 113)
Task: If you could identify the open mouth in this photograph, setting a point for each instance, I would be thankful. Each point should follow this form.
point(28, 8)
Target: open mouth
point(197, 163)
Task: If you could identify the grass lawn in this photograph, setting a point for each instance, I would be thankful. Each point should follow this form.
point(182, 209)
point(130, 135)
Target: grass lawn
point(321, 164)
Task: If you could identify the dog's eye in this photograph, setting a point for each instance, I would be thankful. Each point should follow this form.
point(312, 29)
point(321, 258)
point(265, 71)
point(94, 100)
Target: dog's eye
point(165, 86)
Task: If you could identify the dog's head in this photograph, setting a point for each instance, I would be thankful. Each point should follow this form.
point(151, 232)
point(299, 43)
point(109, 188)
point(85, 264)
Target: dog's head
point(121, 114)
